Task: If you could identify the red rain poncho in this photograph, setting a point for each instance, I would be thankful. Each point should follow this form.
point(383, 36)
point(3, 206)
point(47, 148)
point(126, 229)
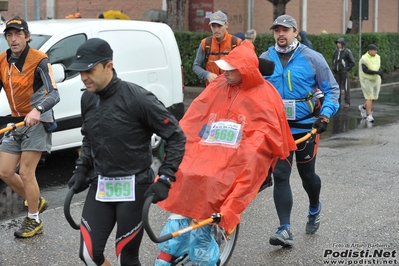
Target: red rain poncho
point(219, 178)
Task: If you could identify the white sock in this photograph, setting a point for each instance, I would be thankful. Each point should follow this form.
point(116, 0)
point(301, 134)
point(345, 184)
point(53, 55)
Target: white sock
point(34, 216)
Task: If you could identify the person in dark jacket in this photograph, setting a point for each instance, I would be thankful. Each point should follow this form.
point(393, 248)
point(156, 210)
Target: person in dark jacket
point(343, 62)
point(119, 119)
point(303, 38)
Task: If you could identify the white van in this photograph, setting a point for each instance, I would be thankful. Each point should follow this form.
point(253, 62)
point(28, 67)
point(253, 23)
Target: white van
point(145, 53)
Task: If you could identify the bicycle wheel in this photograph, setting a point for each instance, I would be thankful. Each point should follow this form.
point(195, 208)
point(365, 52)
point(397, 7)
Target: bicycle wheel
point(226, 244)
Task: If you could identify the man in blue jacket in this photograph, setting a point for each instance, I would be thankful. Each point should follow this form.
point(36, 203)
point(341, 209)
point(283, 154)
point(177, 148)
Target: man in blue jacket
point(300, 75)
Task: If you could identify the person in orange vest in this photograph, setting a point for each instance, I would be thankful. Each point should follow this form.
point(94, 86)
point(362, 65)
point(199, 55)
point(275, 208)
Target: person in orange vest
point(214, 48)
point(27, 78)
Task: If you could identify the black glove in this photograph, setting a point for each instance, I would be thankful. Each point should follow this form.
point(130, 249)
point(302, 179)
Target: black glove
point(159, 189)
point(321, 124)
point(79, 182)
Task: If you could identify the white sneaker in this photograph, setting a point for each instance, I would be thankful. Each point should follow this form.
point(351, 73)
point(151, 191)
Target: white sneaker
point(370, 118)
point(363, 111)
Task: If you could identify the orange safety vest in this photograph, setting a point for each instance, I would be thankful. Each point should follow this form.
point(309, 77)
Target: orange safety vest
point(217, 51)
point(18, 84)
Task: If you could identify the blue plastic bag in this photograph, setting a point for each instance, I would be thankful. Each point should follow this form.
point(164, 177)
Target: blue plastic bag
point(177, 246)
point(204, 250)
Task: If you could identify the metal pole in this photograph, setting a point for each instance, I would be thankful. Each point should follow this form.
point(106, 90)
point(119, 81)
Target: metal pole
point(360, 28)
point(248, 25)
point(344, 15)
point(250, 14)
point(37, 10)
point(305, 15)
point(26, 10)
point(50, 9)
point(376, 16)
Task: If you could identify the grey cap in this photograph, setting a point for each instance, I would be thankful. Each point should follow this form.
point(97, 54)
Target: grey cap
point(218, 17)
point(285, 21)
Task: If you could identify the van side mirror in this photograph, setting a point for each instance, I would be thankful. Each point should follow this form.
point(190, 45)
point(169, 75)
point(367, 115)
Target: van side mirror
point(59, 72)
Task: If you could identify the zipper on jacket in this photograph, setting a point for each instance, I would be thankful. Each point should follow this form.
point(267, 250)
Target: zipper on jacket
point(11, 88)
point(98, 105)
point(289, 79)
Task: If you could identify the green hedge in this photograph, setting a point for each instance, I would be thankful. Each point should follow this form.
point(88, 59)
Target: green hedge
point(387, 43)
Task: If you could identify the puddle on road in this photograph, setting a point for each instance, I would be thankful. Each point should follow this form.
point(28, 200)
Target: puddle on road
point(385, 111)
point(336, 143)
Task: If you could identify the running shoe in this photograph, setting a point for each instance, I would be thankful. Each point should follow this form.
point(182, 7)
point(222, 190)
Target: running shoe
point(346, 106)
point(283, 237)
point(370, 117)
point(43, 204)
point(363, 111)
point(29, 228)
point(313, 221)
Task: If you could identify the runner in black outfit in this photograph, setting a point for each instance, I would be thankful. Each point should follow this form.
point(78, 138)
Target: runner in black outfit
point(119, 119)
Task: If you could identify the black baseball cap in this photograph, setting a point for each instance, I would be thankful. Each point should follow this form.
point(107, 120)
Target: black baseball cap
point(372, 47)
point(16, 23)
point(90, 53)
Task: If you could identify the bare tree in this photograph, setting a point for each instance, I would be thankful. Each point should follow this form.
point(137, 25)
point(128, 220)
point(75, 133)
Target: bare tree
point(359, 12)
point(355, 26)
point(175, 14)
point(278, 7)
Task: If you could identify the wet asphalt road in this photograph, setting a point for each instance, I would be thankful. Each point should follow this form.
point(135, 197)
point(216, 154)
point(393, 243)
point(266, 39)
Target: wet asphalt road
point(357, 163)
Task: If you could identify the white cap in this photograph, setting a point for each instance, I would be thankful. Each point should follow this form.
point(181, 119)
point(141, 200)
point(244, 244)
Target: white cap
point(224, 65)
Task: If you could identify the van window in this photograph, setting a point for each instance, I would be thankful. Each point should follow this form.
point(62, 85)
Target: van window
point(37, 40)
point(64, 52)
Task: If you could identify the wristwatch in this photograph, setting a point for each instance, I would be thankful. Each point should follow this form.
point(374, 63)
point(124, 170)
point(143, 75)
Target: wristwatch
point(164, 177)
point(40, 108)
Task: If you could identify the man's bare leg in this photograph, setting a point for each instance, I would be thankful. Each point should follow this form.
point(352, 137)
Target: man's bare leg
point(27, 173)
point(8, 164)
point(24, 183)
point(369, 106)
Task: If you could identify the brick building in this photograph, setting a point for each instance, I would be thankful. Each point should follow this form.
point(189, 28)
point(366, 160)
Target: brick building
point(314, 16)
